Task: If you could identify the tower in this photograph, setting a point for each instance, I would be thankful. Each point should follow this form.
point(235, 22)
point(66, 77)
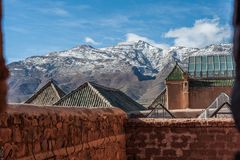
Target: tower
point(177, 88)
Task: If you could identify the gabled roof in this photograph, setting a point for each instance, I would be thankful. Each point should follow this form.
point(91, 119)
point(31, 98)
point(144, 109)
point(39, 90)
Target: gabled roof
point(223, 111)
point(49, 94)
point(220, 107)
point(94, 95)
point(177, 73)
point(161, 99)
point(160, 111)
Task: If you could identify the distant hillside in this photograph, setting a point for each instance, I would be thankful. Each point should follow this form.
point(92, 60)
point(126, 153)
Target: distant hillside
point(137, 68)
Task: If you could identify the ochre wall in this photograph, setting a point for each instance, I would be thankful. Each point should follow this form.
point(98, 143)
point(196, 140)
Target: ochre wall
point(202, 97)
point(158, 139)
point(31, 132)
point(177, 95)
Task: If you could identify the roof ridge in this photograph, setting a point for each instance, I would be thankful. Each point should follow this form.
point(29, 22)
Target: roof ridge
point(58, 89)
point(72, 92)
point(38, 92)
point(106, 97)
point(220, 107)
point(159, 96)
point(104, 87)
point(219, 95)
point(94, 85)
point(82, 86)
point(55, 90)
point(98, 93)
point(50, 83)
point(176, 66)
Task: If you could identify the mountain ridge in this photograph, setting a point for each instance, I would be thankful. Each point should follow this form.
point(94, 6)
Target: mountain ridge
point(140, 64)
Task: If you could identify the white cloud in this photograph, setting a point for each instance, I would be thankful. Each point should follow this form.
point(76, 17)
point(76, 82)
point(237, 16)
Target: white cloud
point(57, 11)
point(91, 41)
point(115, 21)
point(18, 29)
point(204, 32)
point(131, 37)
point(81, 7)
point(60, 12)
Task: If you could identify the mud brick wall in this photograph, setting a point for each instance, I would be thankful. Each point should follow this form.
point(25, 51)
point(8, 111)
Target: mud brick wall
point(156, 139)
point(202, 97)
point(30, 132)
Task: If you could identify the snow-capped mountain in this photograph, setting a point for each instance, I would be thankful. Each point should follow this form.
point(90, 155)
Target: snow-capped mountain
point(132, 67)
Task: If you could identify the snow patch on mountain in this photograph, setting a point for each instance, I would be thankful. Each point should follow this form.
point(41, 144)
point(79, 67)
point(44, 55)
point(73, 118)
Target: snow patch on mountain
point(140, 58)
point(148, 59)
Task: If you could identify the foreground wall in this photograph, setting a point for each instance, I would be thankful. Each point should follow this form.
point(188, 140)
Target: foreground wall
point(46, 133)
point(30, 132)
point(156, 139)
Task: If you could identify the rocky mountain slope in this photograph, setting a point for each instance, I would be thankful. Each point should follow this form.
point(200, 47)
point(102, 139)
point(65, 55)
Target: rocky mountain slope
point(137, 68)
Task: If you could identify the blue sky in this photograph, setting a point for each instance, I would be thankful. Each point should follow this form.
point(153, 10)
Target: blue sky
point(36, 27)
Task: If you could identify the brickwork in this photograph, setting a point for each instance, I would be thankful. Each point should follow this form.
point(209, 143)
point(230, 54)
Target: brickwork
point(156, 139)
point(30, 132)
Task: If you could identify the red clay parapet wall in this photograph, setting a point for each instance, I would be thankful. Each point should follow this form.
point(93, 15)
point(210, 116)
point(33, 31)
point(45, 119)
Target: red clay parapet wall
point(40, 133)
point(31, 132)
point(197, 139)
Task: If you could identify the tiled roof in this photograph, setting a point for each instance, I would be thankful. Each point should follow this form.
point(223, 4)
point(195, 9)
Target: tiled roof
point(93, 95)
point(159, 111)
point(177, 73)
point(161, 99)
point(200, 75)
point(49, 94)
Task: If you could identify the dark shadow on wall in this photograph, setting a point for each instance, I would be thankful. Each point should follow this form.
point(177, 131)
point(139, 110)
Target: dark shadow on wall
point(3, 69)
